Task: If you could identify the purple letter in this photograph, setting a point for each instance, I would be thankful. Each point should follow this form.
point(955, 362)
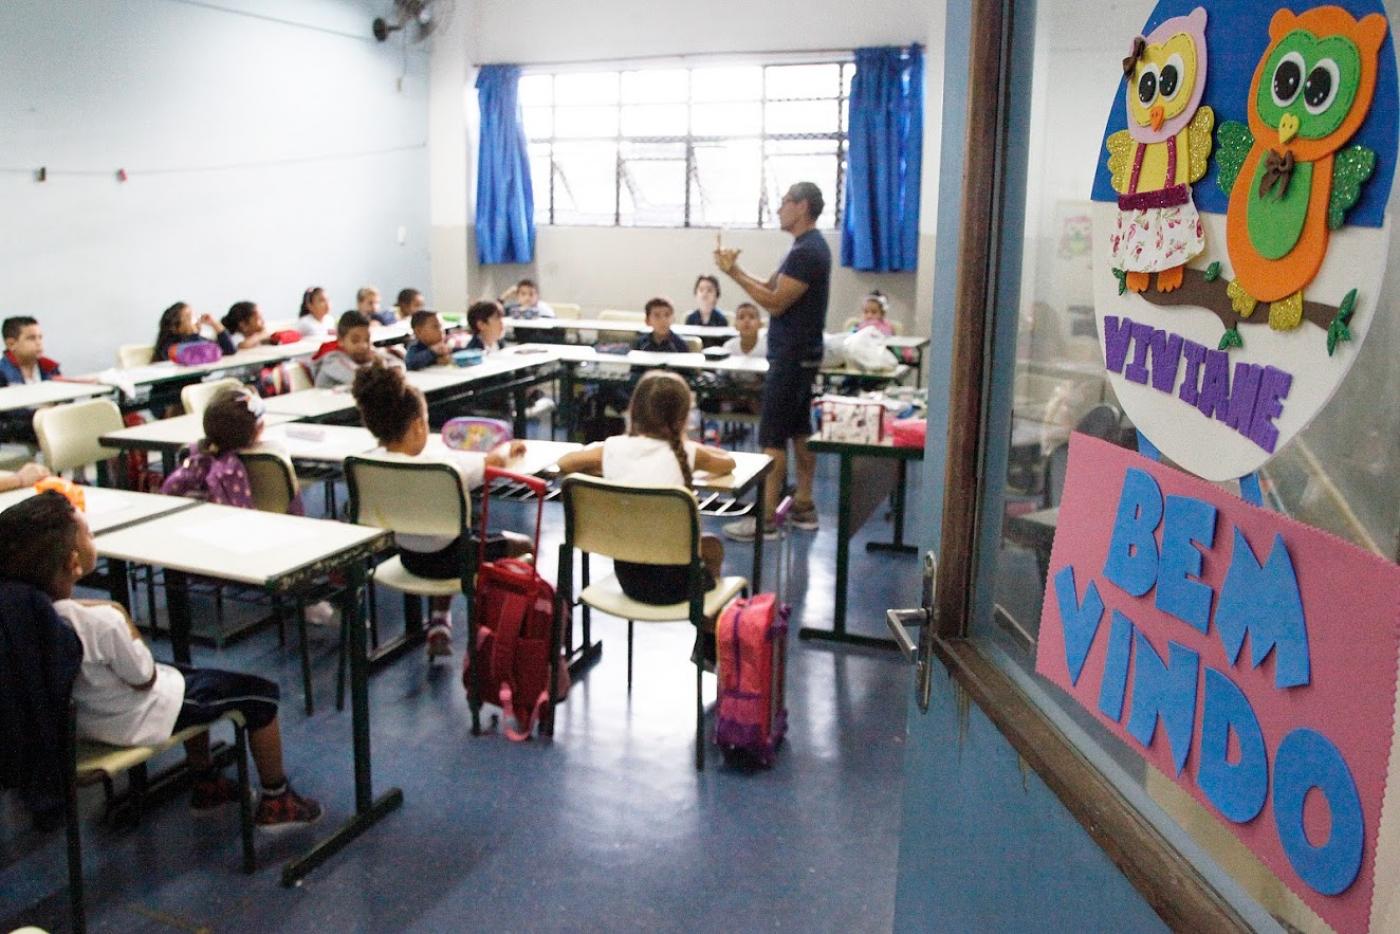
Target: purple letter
point(1166, 355)
point(1214, 400)
point(1273, 388)
point(1243, 395)
point(1116, 334)
point(1137, 371)
point(1194, 354)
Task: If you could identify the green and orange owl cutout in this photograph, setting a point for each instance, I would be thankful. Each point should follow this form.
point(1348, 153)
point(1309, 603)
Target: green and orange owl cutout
point(1241, 228)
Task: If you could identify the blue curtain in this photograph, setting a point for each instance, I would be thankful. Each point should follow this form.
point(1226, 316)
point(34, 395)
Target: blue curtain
point(880, 228)
point(505, 199)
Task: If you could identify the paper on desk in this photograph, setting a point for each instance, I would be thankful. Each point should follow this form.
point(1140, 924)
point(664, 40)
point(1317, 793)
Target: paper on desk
point(246, 533)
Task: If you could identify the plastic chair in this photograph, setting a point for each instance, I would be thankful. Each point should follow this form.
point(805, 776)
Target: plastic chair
point(694, 344)
point(68, 433)
point(645, 525)
point(567, 310)
point(195, 397)
point(298, 376)
point(98, 762)
point(616, 314)
point(130, 355)
point(440, 506)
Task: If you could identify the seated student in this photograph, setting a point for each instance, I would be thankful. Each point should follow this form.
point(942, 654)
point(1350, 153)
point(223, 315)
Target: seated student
point(397, 415)
point(367, 304)
point(314, 320)
point(660, 314)
point(656, 452)
point(706, 297)
point(430, 346)
point(752, 340)
point(27, 475)
point(24, 360)
point(523, 301)
point(245, 322)
point(487, 323)
point(409, 301)
point(178, 325)
point(872, 314)
point(122, 695)
point(211, 471)
point(336, 362)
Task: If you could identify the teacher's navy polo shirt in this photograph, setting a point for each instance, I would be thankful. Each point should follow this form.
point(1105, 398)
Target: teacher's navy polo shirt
point(797, 333)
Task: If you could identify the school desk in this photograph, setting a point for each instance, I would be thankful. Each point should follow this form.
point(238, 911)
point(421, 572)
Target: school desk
point(501, 375)
point(563, 328)
point(168, 436)
point(281, 555)
point(49, 392)
point(856, 502)
point(314, 404)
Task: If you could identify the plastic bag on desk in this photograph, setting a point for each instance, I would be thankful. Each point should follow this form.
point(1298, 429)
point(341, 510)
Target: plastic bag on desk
point(865, 350)
point(833, 351)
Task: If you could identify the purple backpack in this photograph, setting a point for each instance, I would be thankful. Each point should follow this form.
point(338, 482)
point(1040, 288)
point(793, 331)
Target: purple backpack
point(222, 480)
point(196, 353)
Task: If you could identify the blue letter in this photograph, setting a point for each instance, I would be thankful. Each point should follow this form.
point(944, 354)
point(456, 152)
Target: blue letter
point(1132, 553)
point(1115, 668)
point(1264, 603)
point(1189, 522)
point(1237, 791)
point(1080, 621)
point(1166, 692)
point(1305, 760)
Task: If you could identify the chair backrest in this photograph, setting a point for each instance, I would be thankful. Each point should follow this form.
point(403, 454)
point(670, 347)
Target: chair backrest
point(1101, 421)
point(566, 310)
point(380, 496)
point(68, 433)
point(644, 525)
point(130, 355)
point(298, 376)
point(271, 478)
point(196, 396)
point(1056, 466)
point(694, 344)
point(614, 314)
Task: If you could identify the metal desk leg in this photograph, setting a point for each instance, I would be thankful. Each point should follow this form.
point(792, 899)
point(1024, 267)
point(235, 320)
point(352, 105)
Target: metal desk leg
point(760, 508)
point(900, 494)
point(177, 607)
point(521, 421)
point(838, 633)
point(566, 401)
point(368, 810)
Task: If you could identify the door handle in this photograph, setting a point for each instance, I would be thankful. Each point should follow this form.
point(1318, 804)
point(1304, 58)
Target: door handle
point(900, 622)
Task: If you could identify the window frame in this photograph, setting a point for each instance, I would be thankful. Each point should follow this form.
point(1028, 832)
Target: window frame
point(845, 63)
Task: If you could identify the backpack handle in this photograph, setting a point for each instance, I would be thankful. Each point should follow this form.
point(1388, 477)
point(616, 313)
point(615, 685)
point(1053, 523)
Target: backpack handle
point(534, 484)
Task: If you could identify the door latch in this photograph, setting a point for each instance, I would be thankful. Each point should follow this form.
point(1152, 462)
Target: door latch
point(918, 651)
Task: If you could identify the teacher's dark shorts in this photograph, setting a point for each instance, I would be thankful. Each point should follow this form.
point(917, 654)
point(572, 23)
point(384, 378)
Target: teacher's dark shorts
point(787, 402)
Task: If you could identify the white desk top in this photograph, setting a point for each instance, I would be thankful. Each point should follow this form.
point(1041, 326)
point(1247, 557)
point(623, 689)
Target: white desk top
point(539, 456)
point(438, 378)
point(311, 403)
point(170, 432)
point(599, 324)
point(747, 466)
point(579, 353)
point(240, 545)
point(46, 393)
point(329, 444)
point(107, 510)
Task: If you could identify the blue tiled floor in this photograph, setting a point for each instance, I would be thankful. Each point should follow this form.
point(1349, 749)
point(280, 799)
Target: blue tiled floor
point(606, 827)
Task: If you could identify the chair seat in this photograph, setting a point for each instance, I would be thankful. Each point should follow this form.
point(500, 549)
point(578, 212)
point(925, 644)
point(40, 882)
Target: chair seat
point(392, 573)
point(94, 757)
point(607, 597)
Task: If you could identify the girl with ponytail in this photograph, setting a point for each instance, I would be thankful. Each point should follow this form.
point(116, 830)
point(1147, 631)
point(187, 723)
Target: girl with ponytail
point(656, 452)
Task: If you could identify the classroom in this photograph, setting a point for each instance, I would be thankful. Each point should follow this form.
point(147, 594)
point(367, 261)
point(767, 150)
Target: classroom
point(548, 466)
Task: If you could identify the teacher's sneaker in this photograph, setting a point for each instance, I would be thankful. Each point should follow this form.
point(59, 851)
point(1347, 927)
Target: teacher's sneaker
point(804, 518)
point(743, 530)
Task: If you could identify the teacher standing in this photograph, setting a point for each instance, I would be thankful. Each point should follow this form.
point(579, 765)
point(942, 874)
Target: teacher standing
point(796, 298)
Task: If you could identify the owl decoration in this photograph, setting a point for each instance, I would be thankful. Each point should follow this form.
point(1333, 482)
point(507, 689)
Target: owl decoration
point(1290, 175)
point(1165, 148)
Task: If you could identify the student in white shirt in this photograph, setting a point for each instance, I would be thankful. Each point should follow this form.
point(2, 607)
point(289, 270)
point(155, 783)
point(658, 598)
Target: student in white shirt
point(752, 340)
point(396, 414)
point(523, 301)
point(314, 320)
point(122, 695)
point(656, 452)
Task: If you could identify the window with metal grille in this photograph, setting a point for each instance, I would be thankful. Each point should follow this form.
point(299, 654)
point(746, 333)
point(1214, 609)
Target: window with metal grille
point(711, 146)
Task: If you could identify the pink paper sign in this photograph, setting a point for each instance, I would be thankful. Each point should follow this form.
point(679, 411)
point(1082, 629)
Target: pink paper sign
point(1246, 656)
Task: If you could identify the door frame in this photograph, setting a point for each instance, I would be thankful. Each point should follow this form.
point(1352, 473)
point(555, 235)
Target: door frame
point(992, 179)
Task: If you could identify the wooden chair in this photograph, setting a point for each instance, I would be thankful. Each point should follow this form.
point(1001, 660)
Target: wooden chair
point(195, 397)
point(645, 525)
point(94, 762)
point(68, 433)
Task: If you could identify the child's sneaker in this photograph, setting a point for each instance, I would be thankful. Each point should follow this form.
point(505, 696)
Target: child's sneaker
point(744, 530)
point(439, 641)
point(286, 809)
point(804, 517)
point(320, 613)
point(206, 794)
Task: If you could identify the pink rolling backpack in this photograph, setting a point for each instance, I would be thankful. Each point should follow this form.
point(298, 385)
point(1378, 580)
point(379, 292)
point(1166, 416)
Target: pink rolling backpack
point(751, 644)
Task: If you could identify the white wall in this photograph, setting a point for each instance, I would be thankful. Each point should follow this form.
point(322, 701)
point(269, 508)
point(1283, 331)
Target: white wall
point(269, 145)
point(602, 267)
